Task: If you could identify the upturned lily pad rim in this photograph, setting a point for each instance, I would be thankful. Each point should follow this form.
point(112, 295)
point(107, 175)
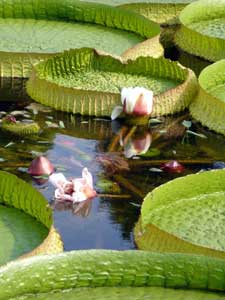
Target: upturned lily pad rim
point(19, 64)
point(121, 2)
point(39, 82)
point(73, 11)
point(187, 187)
point(34, 204)
point(201, 107)
point(192, 41)
point(152, 238)
point(99, 268)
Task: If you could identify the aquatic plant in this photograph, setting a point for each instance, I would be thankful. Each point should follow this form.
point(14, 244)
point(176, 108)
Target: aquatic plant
point(209, 105)
point(87, 82)
point(20, 196)
point(202, 29)
point(33, 30)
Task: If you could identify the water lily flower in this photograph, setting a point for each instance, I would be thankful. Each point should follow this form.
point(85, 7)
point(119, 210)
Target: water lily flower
point(40, 166)
point(137, 145)
point(137, 101)
point(172, 166)
point(75, 190)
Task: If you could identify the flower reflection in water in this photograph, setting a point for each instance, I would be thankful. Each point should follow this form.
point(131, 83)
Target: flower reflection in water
point(81, 209)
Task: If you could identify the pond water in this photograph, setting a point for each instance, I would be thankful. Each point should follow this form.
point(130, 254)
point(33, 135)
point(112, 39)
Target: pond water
point(105, 148)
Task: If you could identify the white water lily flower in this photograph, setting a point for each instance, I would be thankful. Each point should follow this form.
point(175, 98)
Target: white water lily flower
point(137, 101)
point(76, 190)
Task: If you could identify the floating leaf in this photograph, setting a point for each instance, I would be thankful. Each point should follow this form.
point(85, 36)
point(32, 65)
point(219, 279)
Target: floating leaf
point(154, 121)
point(160, 11)
point(37, 32)
point(9, 144)
point(202, 29)
point(196, 204)
point(209, 105)
point(197, 134)
point(27, 223)
point(61, 124)
point(20, 232)
point(187, 124)
point(95, 88)
point(157, 170)
point(22, 169)
point(51, 124)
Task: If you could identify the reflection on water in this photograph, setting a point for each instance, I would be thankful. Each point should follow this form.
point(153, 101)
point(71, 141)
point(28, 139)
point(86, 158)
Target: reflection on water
point(125, 163)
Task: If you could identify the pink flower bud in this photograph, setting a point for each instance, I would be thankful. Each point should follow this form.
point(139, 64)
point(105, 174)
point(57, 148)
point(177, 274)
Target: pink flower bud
point(172, 166)
point(10, 119)
point(40, 166)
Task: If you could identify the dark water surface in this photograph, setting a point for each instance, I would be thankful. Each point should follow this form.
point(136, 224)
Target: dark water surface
point(107, 221)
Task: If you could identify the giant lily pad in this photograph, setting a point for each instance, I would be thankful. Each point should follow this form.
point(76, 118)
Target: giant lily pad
point(131, 293)
point(33, 30)
point(190, 208)
point(202, 32)
point(99, 270)
point(209, 105)
point(25, 221)
point(160, 11)
point(86, 82)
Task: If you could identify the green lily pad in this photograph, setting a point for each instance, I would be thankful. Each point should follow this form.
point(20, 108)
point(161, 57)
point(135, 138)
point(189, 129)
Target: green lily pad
point(20, 128)
point(26, 222)
point(86, 82)
point(209, 105)
point(131, 293)
point(160, 11)
point(32, 31)
point(20, 232)
point(190, 208)
point(202, 32)
point(69, 272)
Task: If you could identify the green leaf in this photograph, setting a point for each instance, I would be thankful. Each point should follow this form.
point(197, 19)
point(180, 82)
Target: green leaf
point(20, 232)
point(84, 272)
point(160, 11)
point(209, 105)
point(202, 31)
point(25, 220)
point(32, 31)
point(131, 293)
point(21, 128)
point(190, 208)
point(90, 83)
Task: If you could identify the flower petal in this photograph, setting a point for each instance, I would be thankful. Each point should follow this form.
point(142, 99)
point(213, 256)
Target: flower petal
point(58, 180)
point(78, 197)
point(116, 112)
point(88, 177)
